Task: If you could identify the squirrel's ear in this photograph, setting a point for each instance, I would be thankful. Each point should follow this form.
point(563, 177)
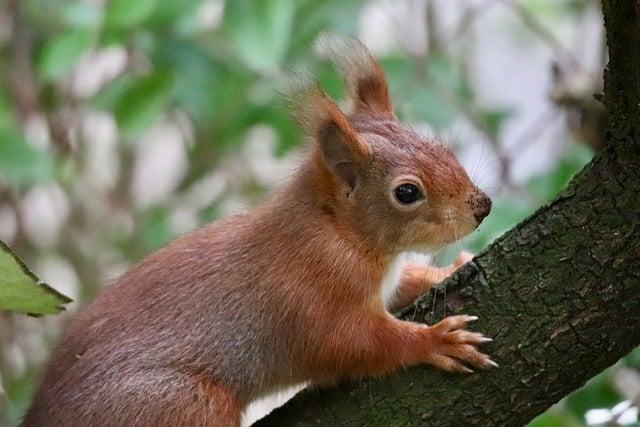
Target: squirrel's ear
point(343, 150)
point(365, 80)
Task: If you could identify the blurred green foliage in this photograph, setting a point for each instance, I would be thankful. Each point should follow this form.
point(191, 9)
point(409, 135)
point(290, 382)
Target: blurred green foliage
point(224, 78)
point(508, 211)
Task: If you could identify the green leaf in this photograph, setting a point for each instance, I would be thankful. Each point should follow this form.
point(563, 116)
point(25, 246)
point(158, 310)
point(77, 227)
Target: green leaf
point(20, 163)
point(137, 102)
point(122, 14)
point(21, 290)
point(204, 85)
point(260, 30)
point(144, 102)
point(61, 53)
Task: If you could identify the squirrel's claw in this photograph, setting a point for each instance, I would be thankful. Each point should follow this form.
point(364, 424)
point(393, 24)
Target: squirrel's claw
point(451, 345)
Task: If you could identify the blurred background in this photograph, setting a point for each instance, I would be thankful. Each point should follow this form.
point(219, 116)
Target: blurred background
point(125, 123)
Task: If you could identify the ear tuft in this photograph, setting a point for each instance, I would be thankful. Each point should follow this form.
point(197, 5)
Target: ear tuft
point(316, 113)
point(364, 77)
point(307, 102)
point(341, 146)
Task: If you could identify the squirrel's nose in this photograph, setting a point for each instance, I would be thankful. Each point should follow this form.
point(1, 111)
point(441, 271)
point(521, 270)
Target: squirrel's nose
point(481, 205)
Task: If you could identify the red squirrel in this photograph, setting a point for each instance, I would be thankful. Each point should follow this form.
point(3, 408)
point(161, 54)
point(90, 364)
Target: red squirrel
point(287, 293)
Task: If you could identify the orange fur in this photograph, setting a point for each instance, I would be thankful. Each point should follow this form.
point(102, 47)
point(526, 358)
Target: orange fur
point(417, 279)
point(287, 293)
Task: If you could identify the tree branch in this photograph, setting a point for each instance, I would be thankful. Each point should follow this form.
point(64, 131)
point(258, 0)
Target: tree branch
point(560, 293)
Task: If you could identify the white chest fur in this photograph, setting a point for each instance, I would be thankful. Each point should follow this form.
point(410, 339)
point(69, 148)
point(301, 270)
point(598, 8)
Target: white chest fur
point(391, 279)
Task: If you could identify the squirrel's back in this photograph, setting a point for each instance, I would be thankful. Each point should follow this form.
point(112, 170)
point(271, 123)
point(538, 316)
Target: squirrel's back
point(143, 329)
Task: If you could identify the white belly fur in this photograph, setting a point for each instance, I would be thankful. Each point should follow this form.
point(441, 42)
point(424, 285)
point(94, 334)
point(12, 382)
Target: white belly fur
point(261, 407)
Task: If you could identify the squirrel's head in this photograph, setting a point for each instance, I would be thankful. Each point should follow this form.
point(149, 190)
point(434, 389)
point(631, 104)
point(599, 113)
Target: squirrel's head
point(384, 180)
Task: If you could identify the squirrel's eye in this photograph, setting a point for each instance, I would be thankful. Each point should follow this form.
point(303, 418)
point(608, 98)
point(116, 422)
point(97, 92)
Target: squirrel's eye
point(407, 193)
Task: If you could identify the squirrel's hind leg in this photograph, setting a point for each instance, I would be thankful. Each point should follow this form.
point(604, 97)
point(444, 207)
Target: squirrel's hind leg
point(144, 399)
point(204, 404)
point(188, 399)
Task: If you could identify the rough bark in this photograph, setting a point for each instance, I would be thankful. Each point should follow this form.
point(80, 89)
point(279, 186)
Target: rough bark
point(560, 293)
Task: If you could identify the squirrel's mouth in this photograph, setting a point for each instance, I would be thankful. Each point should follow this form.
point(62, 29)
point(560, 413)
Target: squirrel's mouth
point(458, 228)
point(433, 234)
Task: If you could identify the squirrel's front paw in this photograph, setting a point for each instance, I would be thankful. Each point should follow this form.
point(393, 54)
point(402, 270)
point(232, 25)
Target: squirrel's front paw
point(450, 345)
point(462, 258)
